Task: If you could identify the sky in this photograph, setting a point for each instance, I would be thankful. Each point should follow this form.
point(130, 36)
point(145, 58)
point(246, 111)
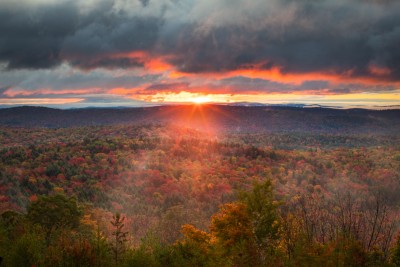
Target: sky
point(143, 52)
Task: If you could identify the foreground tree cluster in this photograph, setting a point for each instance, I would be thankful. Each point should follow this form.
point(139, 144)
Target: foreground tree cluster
point(256, 230)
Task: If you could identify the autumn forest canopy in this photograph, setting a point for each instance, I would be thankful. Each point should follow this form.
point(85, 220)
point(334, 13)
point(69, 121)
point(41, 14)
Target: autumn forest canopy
point(162, 194)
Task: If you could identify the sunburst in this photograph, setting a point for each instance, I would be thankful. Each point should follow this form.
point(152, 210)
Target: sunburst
point(200, 99)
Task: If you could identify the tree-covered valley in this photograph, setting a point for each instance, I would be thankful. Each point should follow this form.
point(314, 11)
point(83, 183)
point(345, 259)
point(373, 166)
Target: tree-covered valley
point(159, 194)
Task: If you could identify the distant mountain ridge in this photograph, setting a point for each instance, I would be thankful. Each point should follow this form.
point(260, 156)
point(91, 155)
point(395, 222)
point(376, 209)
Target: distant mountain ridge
point(226, 118)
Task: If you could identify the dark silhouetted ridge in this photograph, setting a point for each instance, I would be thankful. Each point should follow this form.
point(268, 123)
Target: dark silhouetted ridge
point(216, 117)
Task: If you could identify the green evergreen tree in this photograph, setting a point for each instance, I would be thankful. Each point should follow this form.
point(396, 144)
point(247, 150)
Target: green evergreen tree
point(55, 212)
point(118, 245)
point(396, 253)
point(262, 210)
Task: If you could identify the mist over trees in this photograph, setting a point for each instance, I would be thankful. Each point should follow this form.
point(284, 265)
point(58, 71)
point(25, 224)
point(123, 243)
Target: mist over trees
point(157, 195)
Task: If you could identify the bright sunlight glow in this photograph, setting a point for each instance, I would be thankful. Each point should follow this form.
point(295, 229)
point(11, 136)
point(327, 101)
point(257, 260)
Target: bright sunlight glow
point(200, 99)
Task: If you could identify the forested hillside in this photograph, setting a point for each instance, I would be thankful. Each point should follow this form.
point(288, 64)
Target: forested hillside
point(158, 195)
point(216, 118)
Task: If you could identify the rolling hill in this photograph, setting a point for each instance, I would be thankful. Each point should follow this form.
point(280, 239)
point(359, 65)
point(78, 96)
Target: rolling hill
point(232, 119)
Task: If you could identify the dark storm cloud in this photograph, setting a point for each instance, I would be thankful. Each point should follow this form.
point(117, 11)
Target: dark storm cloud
point(351, 38)
point(32, 38)
point(44, 36)
point(110, 35)
point(346, 38)
point(104, 62)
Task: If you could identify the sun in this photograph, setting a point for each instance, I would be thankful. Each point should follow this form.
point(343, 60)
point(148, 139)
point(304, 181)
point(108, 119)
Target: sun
point(200, 99)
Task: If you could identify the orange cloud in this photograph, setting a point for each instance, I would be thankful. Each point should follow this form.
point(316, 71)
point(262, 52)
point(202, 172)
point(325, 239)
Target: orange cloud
point(379, 71)
point(154, 64)
point(275, 74)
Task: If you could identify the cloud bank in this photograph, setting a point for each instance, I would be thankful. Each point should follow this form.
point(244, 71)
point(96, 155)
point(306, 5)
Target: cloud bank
point(212, 46)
